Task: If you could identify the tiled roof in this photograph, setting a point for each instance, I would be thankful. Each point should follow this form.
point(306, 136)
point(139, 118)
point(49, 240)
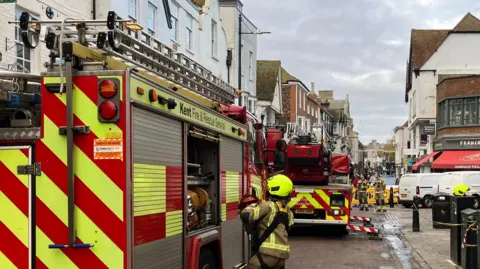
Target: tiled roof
point(469, 23)
point(267, 73)
point(287, 77)
point(424, 43)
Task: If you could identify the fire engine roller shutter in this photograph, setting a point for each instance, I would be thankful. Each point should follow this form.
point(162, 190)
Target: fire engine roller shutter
point(232, 231)
point(157, 162)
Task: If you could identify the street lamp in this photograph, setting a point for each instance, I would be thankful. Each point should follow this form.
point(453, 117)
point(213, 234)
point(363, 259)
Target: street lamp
point(239, 91)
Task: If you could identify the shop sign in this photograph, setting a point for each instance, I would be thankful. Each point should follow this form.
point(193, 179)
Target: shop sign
point(469, 143)
point(428, 129)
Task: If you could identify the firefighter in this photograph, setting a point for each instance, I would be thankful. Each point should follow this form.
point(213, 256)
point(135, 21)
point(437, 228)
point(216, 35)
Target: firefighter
point(269, 222)
point(380, 194)
point(460, 189)
point(362, 193)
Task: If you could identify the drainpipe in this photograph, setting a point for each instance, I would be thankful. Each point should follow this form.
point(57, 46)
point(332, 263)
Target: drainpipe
point(94, 9)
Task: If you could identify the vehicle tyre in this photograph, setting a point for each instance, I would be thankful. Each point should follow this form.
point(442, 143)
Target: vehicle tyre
point(341, 230)
point(427, 202)
point(476, 204)
point(207, 259)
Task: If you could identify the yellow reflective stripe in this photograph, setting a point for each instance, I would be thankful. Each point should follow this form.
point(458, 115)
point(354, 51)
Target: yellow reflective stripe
point(256, 213)
point(271, 238)
point(17, 223)
point(56, 200)
point(10, 158)
point(232, 186)
point(174, 221)
point(149, 189)
point(86, 110)
point(224, 212)
point(5, 263)
point(86, 170)
point(275, 246)
point(307, 196)
point(324, 196)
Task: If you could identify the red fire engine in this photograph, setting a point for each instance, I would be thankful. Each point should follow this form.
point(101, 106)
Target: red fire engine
point(123, 155)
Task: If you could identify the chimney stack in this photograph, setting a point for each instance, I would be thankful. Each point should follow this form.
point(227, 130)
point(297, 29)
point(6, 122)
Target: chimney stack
point(313, 87)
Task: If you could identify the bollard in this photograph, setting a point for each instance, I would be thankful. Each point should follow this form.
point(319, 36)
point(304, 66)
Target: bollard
point(469, 244)
point(392, 205)
point(416, 214)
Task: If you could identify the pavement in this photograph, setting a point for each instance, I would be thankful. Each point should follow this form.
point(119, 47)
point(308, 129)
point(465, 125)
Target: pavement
point(401, 248)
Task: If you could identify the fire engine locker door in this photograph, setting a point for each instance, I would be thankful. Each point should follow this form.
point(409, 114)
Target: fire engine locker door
point(157, 191)
point(15, 209)
point(231, 163)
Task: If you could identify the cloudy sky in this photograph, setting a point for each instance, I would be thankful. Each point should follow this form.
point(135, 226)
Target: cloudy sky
point(354, 47)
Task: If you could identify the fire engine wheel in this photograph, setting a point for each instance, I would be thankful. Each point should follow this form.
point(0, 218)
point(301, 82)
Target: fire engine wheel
point(207, 259)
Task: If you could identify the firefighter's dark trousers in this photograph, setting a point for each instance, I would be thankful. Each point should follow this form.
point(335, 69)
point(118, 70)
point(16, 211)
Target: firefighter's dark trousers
point(270, 261)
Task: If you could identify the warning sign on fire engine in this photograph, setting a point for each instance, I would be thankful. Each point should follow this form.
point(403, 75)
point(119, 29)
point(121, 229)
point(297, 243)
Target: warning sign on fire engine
point(108, 149)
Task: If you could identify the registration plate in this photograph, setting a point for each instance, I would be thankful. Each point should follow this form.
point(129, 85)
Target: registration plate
point(304, 211)
point(404, 196)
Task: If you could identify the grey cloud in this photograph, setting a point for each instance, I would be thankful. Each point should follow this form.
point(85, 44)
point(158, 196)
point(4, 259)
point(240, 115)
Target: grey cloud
point(355, 47)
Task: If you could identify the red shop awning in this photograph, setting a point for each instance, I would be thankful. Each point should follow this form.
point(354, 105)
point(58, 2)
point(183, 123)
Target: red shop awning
point(458, 160)
point(417, 164)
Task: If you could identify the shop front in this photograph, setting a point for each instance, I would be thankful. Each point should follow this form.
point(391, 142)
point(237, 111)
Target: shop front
point(456, 152)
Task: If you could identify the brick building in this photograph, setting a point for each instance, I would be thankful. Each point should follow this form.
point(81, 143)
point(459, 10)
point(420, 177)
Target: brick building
point(300, 106)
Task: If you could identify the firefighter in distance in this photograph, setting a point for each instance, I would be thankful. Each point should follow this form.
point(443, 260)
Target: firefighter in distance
point(362, 193)
point(460, 189)
point(380, 194)
point(269, 223)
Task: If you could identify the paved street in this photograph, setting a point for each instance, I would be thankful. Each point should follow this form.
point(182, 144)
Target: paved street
point(400, 248)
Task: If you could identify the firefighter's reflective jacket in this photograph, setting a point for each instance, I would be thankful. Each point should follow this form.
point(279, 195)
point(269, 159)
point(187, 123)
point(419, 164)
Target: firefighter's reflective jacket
point(262, 215)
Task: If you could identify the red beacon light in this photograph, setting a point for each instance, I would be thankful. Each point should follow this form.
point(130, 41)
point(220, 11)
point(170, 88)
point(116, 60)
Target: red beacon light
point(108, 100)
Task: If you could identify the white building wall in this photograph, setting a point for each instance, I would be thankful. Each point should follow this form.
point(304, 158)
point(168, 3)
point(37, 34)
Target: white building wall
point(62, 9)
point(229, 13)
point(201, 49)
point(457, 52)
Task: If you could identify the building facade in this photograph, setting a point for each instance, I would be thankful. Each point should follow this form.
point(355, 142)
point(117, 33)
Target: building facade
point(435, 53)
point(400, 143)
point(234, 20)
point(269, 91)
point(16, 56)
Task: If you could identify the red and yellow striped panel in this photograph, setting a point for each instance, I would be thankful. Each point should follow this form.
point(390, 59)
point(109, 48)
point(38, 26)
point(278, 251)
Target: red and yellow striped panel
point(231, 190)
point(318, 199)
point(99, 184)
point(157, 202)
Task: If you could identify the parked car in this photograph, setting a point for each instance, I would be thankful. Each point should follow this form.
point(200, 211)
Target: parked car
point(423, 185)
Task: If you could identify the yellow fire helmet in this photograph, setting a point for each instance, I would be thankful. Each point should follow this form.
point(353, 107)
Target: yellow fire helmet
point(280, 185)
point(460, 189)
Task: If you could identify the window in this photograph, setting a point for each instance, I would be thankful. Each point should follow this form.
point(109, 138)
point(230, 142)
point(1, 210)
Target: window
point(250, 66)
point(24, 55)
point(470, 111)
point(299, 100)
point(152, 18)
point(189, 36)
point(214, 39)
point(308, 109)
point(174, 31)
point(304, 100)
point(132, 8)
point(250, 105)
point(455, 109)
point(252, 139)
point(414, 105)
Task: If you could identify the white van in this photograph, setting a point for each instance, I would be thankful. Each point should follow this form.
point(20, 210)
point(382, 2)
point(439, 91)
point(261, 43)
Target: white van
point(448, 180)
point(424, 185)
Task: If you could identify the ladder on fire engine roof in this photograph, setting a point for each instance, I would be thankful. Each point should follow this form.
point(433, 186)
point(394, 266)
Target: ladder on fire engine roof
point(115, 43)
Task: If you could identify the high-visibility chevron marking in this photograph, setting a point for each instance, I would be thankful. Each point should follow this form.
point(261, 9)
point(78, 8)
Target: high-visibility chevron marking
point(174, 223)
point(224, 212)
point(308, 196)
point(93, 207)
point(94, 178)
point(13, 218)
point(232, 186)
point(85, 109)
point(56, 201)
point(5, 263)
point(112, 168)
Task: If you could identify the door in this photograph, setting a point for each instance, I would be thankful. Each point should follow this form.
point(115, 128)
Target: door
point(157, 191)
point(231, 163)
point(445, 183)
point(15, 209)
point(407, 186)
point(428, 184)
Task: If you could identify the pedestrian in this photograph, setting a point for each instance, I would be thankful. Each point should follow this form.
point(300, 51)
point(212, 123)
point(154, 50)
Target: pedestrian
point(380, 194)
point(362, 194)
point(460, 189)
point(269, 222)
